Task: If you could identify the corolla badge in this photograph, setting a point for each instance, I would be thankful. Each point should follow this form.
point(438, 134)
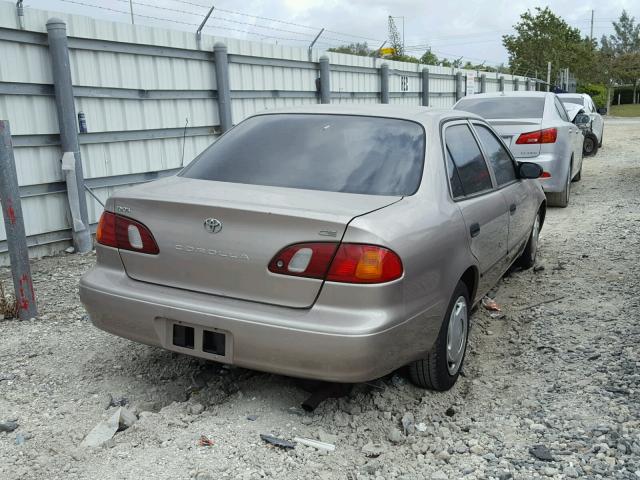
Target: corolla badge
point(212, 225)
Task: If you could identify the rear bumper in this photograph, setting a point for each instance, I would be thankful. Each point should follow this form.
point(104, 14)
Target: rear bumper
point(556, 165)
point(288, 341)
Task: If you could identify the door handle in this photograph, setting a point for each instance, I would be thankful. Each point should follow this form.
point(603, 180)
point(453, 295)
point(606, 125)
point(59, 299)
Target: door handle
point(474, 229)
point(512, 208)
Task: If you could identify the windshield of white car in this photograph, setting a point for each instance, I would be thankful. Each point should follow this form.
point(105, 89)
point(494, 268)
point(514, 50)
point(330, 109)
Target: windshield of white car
point(577, 100)
point(503, 107)
point(333, 153)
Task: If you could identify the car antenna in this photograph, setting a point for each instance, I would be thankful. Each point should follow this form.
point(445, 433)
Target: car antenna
point(184, 139)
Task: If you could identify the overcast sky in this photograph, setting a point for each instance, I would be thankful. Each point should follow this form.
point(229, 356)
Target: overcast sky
point(470, 29)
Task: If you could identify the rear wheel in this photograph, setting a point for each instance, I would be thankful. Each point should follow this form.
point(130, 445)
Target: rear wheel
point(561, 199)
point(528, 257)
point(590, 146)
point(440, 370)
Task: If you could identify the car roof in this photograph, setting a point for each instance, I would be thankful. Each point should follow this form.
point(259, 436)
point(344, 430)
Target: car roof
point(404, 112)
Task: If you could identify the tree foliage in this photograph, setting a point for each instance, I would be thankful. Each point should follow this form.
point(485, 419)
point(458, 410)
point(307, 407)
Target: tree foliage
point(361, 49)
point(541, 37)
point(626, 40)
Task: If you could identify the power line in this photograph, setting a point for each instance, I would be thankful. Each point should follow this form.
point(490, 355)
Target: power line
point(225, 19)
point(76, 2)
point(187, 2)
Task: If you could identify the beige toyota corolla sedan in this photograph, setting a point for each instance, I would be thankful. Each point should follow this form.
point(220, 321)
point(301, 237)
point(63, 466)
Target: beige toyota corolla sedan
point(331, 242)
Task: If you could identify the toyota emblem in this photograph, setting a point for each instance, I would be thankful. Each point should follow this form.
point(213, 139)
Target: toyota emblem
point(212, 225)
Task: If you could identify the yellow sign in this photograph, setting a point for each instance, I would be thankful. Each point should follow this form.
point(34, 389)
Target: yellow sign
point(387, 51)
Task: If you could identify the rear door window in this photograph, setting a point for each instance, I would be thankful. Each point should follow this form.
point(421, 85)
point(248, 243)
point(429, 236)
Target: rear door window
point(500, 160)
point(470, 175)
point(334, 153)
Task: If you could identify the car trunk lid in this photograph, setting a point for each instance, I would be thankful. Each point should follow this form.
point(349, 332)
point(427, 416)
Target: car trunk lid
point(511, 129)
point(231, 259)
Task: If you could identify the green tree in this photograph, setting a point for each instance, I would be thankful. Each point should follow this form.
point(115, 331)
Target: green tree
point(620, 54)
point(626, 39)
point(361, 49)
point(429, 58)
point(541, 37)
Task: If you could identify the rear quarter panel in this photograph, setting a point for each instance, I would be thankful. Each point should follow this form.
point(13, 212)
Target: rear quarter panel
point(428, 232)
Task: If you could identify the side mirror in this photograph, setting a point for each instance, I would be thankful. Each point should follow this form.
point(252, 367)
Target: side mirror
point(602, 110)
point(582, 120)
point(529, 170)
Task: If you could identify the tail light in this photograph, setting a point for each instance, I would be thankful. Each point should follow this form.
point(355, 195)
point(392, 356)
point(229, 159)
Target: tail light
point(548, 135)
point(347, 263)
point(545, 175)
point(125, 233)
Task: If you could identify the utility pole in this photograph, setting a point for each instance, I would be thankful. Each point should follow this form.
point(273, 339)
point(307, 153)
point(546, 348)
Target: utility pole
point(591, 34)
point(548, 76)
point(131, 10)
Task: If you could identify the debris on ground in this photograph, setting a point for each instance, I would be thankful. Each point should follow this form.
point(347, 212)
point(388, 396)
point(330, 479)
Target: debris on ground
point(105, 430)
point(490, 304)
point(315, 444)
point(6, 376)
point(278, 442)
point(408, 423)
point(373, 450)
point(541, 453)
point(252, 418)
point(205, 441)
point(8, 426)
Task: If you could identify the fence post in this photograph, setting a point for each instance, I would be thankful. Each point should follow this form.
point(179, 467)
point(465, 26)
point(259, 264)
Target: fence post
point(483, 83)
point(501, 84)
point(527, 84)
point(384, 83)
point(425, 87)
point(14, 226)
point(516, 84)
point(325, 80)
point(222, 85)
point(66, 109)
point(458, 80)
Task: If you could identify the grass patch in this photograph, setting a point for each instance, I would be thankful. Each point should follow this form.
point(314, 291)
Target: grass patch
point(628, 110)
point(8, 305)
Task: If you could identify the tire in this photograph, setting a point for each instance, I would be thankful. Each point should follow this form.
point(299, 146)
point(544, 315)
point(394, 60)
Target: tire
point(561, 199)
point(528, 257)
point(578, 176)
point(590, 145)
point(440, 369)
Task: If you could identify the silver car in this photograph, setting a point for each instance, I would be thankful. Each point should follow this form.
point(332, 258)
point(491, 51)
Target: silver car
point(334, 243)
point(536, 127)
point(591, 144)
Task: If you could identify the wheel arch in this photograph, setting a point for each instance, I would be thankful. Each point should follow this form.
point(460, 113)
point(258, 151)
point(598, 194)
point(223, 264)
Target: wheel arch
point(470, 278)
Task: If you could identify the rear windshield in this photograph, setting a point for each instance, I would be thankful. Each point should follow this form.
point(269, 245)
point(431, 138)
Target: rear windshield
point(335, 153)
point(577, 100)
point(504, 107)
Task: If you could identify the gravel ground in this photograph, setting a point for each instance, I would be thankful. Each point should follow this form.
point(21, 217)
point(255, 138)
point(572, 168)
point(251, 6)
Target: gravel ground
point(549, 390)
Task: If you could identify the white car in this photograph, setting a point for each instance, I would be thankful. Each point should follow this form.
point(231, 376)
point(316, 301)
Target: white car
point(597, 122)
point(536, 128)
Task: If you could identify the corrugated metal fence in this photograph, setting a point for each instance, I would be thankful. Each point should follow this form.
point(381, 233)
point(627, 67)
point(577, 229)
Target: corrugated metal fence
point(138, 86)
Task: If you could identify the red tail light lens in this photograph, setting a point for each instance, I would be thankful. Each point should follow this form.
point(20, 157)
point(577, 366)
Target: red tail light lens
point(351, 263)
point(545, 175)
point(126, 234)
point(548, 135)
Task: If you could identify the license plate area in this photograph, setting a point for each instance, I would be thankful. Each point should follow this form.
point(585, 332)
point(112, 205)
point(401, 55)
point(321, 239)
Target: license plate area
point(198, 340)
